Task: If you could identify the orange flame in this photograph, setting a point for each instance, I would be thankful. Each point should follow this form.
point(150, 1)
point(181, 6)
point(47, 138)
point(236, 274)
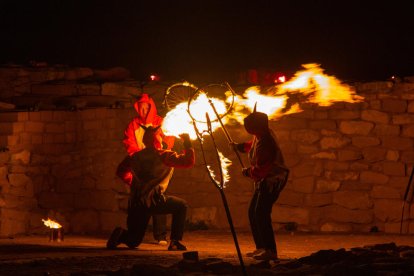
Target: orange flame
point(322, 89)
point(311, 84)
point(225, 164)
point(178, 120)
point(51, 224)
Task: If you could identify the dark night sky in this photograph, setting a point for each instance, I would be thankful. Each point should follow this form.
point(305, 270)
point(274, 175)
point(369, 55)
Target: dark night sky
point(210, 40)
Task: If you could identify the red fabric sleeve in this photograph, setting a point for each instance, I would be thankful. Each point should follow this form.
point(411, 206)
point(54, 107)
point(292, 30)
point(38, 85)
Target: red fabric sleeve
point(172, 159)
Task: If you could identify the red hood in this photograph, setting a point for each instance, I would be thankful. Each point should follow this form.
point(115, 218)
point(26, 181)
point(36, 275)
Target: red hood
point(152, 113)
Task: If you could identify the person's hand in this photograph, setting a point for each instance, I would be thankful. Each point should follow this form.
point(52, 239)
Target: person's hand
point(245, 172)
point(186, 140)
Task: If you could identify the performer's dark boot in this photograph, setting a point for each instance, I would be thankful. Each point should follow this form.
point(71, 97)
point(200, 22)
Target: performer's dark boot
point(176, 246)
point(115, 238)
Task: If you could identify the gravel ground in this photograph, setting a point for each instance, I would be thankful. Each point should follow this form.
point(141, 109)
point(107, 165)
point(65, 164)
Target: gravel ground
point(86, 255)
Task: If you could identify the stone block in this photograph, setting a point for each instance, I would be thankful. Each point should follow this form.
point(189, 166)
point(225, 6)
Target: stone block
point(397, 143)
point(383, 192)
point(325, 186)
point(341, 175)
point(394, 105)
point(359, 166)
point(322, 124)
point(337, 213)
point(307, 149)
point(355, 186)
point(408, 130)
point(119, 89)
point(374, 154)
point(375, 116)
point(13, 222)
point(287, 123)
point(374, 177)
point(344, 114)
point(336, 227)
point(52, 200)
point(388, 210)
point(305, 169)
point(23, 157)
point(392, 155)
point(38, 127)
point(374, 87)
point(291, 198)
point(392, 228)
point(364, 141)
point(410, 108)
point(88, 89)
point(336, 166)
point(356, 127)
point(393, 168)
point(203, 214)
point(386, 130)
point(403, 119)
point(324, 155)
point(334, 142)
point(20, 185)
point(67, 89)
point(407, 156)
point(110, 220)
point(318, 200)
point(305, 136)
point(349, 155)
point(84, 222)
point(285, 214)
point(352, 199)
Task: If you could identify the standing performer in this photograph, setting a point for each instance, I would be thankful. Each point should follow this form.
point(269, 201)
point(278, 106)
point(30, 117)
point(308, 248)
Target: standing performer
point(152, 169)
point(146, 116)
point(269, 174)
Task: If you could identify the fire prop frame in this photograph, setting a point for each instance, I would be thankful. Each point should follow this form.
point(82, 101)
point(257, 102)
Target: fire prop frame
point(218, 184)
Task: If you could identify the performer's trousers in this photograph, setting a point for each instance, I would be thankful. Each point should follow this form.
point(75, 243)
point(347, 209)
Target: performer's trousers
point(139, 215)
point(260, 211)
point(159, 227)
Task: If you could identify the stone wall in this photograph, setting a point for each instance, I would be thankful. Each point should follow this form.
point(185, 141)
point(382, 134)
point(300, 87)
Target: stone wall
point(350, 164)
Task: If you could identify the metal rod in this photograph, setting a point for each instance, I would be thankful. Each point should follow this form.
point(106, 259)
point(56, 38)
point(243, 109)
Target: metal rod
point(407, 189)
point(233, 232)
point(226, 133)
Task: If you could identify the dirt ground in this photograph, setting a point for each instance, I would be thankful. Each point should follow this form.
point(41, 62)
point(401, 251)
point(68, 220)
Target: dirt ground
point(86, 255)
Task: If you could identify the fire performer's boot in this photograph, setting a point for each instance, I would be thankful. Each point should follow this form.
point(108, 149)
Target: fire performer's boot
point(256, 252)
point(176, 246)
point(115, 238)
point(267, 255)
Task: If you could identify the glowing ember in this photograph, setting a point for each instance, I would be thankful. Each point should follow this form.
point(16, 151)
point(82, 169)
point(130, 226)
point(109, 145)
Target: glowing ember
point(51, 224)
point(178, 120)
point(225, 164)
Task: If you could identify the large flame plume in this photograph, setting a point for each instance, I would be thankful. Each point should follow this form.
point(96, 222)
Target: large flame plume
point(51, 224)
point(178, 120)
point(307, 86)
point(310, 85)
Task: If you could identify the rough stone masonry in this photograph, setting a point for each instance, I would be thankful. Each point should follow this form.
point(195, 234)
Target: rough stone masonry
point(61, 133)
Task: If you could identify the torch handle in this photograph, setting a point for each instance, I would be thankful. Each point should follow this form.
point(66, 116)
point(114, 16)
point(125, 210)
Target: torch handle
point(226, 133)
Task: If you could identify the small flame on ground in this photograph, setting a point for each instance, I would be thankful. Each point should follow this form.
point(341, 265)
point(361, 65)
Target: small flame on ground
point(51, 224)
point(225, 164)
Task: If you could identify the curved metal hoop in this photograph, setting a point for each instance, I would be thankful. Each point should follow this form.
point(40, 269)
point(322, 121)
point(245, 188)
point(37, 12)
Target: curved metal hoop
point(179, 92)
point(209, 91)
